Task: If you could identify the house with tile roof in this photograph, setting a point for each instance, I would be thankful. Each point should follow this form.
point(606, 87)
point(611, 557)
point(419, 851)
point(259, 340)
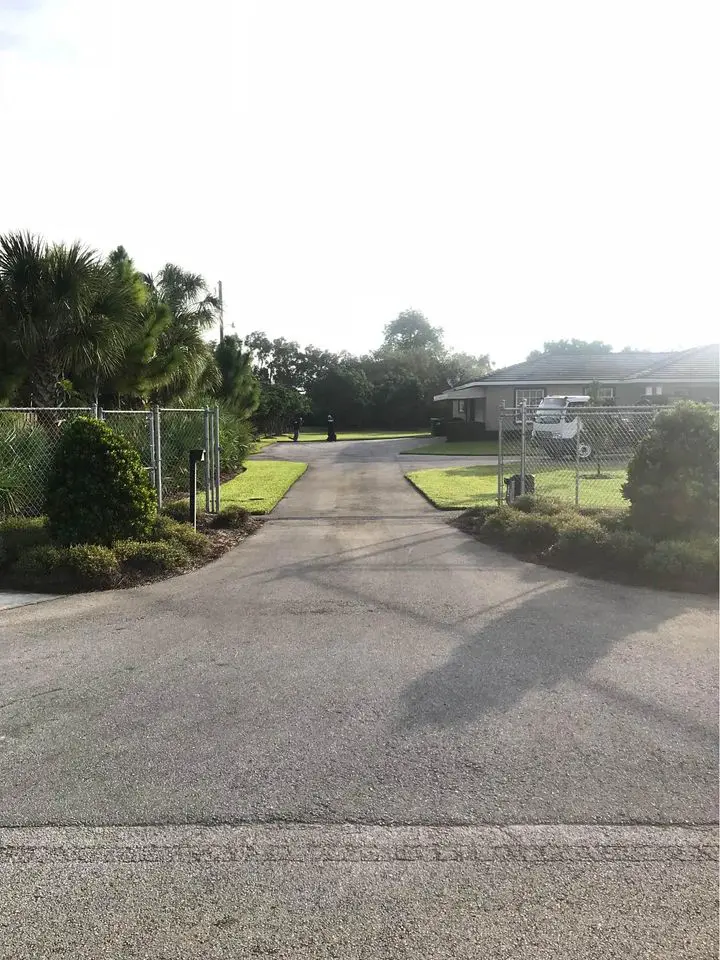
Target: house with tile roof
point(628, 379)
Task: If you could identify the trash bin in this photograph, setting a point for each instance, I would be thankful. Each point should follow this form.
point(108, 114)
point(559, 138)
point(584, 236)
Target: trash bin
point(437, 427)
point(513, 486)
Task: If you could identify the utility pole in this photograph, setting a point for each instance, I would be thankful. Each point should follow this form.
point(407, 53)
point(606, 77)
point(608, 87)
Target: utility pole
point(220, 300)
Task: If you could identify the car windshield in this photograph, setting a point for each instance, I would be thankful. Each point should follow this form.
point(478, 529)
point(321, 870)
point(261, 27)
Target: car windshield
point(550, 410)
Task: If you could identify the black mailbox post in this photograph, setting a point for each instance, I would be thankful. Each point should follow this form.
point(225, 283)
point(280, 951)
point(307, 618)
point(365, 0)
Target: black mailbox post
point(196, 457)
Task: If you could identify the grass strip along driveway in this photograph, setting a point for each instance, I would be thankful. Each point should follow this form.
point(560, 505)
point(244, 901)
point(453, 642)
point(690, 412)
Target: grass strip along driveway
point(468, 448)
point(261, 486)
point(458, 488)
point(312, 436)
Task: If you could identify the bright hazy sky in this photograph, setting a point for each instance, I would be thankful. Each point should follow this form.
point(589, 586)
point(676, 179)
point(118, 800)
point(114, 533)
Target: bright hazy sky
point(519, 171)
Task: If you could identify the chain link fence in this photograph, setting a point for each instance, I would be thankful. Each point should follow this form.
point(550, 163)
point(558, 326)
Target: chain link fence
point(163, 439)
point(576, 455)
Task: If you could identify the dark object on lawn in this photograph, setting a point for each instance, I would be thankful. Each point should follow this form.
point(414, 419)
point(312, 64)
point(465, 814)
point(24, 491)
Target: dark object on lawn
point(296, 424)
point(513, 486)
point(196, 457)
point(332, 436)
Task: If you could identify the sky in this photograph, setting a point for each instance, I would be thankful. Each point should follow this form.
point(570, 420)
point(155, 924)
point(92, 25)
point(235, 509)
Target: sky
point(519, 172)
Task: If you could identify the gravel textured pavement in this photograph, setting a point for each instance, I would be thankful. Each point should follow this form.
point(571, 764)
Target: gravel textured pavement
point(359, 665)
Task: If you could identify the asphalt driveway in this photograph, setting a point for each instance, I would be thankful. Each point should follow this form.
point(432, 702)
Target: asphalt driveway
point(361, 662)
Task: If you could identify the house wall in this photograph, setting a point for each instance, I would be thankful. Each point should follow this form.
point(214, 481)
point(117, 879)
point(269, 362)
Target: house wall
point(629, 394)
point(493, 400)
point(626, 395)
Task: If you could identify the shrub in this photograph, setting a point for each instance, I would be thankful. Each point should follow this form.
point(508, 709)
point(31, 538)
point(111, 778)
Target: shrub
point(81, 566)
point(165, 528)
point(683, 564)
point(153, 556)
point(91, 565)
point(177, 509)
point(472, 520)
point(39, 562)
point(541, 505)
point(673, 478)
point(532, 533)
point(626, 549)
point(236, 441)
point(607, 517)
point(581, 541)
point(495, 529)
point(18, 534)
point(233, 517)
point(98, 490)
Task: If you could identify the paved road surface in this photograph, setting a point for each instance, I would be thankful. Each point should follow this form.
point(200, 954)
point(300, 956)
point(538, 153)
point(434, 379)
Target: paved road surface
point(346, 738)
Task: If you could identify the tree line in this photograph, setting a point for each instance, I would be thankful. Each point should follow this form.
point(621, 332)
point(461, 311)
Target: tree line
point(78, 328)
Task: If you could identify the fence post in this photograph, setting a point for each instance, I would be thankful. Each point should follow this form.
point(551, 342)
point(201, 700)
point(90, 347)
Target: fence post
point(94, 413)
point(217, 458)
point(522, 448)
point(501, 470)
point(209, 460)
point(151, 439)
point(213, 490)
point(577, 463)
point(158, 456)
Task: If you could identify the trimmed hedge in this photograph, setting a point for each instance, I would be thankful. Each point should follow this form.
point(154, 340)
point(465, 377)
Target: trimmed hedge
point(18, 534)
point(153, 556)
point(683, 562)
point(83, 565)
point(600, 544)
point(165, 528)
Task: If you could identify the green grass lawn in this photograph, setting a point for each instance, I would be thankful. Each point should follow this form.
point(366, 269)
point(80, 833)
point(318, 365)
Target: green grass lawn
point(308, 436)
point(262, 486)
point(263, 442)
point(468, 448)
point(457, 488)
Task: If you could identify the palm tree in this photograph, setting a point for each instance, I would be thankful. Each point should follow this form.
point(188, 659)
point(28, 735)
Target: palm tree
point(64, 313)
point(238, 389)
point(185, 355)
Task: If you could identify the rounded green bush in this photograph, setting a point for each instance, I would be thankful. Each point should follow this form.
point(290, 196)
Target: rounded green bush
point(153, 556)
point(165, 528)
point(98, 490)
point(18, 534)
point(233, 517)
point(672, 480)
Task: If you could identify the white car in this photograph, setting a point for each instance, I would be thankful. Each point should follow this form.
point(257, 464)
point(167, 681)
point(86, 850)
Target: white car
point(556, 424)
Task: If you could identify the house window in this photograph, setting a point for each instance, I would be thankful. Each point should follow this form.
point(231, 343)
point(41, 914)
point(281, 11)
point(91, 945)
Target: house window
point(461, 409)
point(532, 396)
point(649, 391)
point(603, 393)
